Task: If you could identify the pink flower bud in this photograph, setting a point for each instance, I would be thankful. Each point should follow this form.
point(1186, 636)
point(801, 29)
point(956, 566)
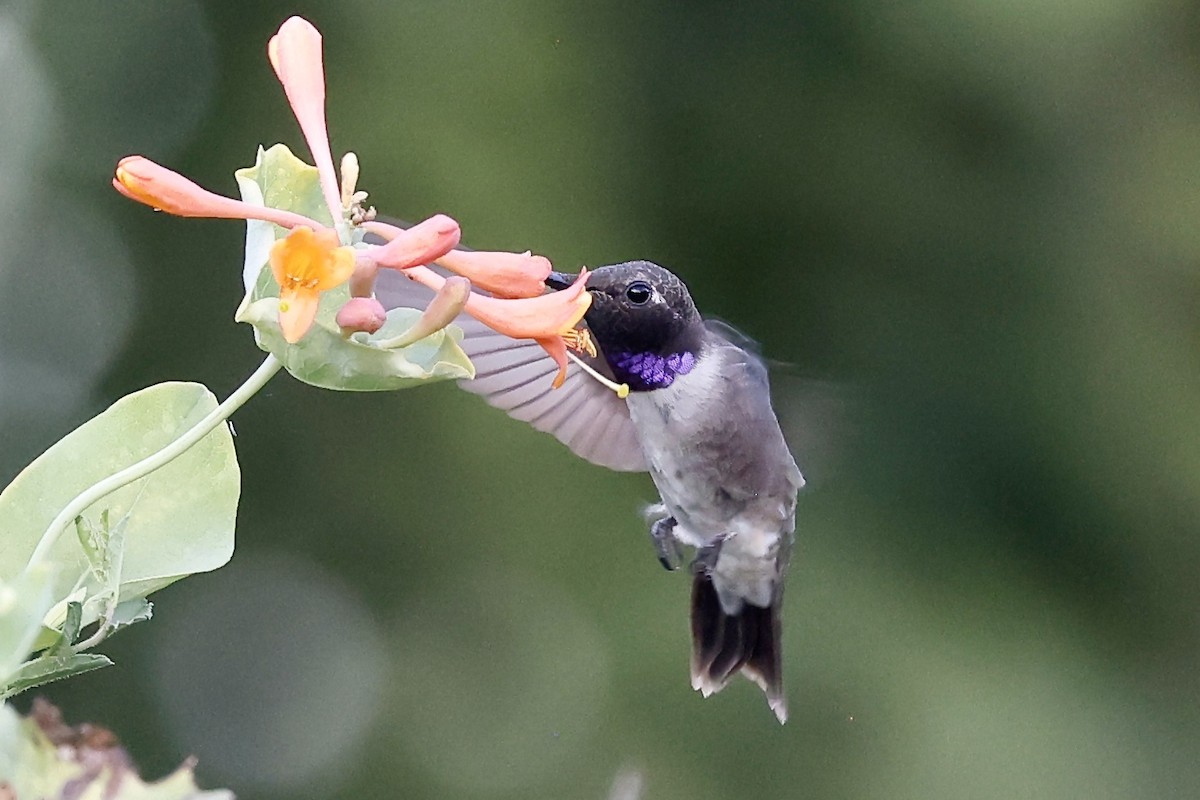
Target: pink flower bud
point(154, 185)
point(295, 55)
point(364, 314)
point(421, 244)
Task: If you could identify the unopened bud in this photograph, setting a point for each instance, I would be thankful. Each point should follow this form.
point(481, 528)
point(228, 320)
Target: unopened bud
point(365, 314)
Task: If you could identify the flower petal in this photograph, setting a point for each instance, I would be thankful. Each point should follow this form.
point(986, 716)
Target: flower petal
point(421, 244)
point(295, 55)
point(297, 310)
point(557, 349)
point(141, 179)
point(313, 260)
point(534, 317)
point(503, 274)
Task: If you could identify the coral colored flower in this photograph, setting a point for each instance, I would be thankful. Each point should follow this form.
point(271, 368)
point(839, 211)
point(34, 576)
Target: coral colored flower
point(306, 263)
point(295, 55)
point(550, 314)
point(423, 243)
point(141, 179)
point(544, 319)
point(447, 304)
point(503, 274)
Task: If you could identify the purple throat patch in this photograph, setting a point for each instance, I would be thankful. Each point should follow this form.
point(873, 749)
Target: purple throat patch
point(652, 371)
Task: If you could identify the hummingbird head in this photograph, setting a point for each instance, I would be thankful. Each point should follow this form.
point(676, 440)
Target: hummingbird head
point(644, 321)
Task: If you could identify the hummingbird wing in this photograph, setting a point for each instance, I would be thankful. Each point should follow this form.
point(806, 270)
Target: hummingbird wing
point(515, 376)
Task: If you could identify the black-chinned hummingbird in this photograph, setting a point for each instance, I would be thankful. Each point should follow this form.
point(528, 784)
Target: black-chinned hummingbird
point(698, 418)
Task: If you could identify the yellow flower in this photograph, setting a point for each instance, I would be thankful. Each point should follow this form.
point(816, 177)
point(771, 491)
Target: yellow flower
point(306, 263)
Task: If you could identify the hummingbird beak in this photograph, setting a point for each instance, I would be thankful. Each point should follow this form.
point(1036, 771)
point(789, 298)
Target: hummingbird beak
point(560, 280)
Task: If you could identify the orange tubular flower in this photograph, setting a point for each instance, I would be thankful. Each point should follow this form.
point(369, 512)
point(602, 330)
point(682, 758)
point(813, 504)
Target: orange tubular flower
point(295, 55)
point(503, 274)
point(421, 244)
point(508, 275)
point(148, 183)
point(545, 319)
point(306, 263)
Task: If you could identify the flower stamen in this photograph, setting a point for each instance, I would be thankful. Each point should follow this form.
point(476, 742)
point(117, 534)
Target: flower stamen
point(580, 340)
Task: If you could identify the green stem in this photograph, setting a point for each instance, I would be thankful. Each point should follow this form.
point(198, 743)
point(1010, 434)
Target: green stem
point(152, 462)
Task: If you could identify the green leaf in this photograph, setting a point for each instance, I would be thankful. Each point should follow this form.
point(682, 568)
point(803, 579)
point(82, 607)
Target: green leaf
point(50, 667)
point(176, 521)
point(131, 612)
point(324, 357)
point(285, 181)
point(24, 602)
point(70, 629)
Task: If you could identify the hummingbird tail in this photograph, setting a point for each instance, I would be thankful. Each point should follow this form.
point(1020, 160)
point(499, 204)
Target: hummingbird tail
point(724, 644)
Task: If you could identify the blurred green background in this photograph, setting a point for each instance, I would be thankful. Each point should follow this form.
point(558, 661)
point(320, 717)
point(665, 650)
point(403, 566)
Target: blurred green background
point(968, 227)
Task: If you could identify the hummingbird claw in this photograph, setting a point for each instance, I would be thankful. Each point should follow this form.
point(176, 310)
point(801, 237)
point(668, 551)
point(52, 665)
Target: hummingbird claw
point(662, 533)
point(706, 557)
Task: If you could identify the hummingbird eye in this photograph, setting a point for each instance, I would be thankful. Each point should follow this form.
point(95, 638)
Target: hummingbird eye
point(638, 292)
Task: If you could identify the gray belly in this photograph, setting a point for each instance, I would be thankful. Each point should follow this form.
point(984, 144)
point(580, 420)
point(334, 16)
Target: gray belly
point(711, 483)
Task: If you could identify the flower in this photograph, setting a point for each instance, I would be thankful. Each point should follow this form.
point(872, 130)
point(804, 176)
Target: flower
point(295, 55)
point(447, 304)
point(423, 243)
point(140, 179)
point(365, 314)
point(314, 258)
point(503, 274)
point(506, 275)
point(306, 263)
point(545, 319)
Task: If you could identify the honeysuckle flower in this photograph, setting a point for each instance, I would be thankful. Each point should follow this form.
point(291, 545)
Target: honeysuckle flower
point(316, 256)
point(508, 275)
point(306, 263)
point(295, 55)
point(423, 243)
point(503, 274)
point(447, 304)
point(361, 314)
point(545, 319)
point(140, 179)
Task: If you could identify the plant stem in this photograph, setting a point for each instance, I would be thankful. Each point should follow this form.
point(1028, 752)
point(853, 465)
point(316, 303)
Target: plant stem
point(150, 463)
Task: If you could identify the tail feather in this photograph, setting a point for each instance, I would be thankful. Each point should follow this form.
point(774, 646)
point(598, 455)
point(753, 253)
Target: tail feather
point(724, 644)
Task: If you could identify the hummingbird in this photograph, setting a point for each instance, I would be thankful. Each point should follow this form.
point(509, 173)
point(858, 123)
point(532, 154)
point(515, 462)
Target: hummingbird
point(697, 417)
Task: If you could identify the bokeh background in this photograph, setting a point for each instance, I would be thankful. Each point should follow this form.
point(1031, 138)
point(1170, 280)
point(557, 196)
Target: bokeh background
point(968, 229)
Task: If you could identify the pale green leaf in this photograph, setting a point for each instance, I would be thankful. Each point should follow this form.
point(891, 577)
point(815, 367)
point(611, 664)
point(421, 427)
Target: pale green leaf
point(131, 612)
point(177, 521)
point(326, 359)
point(51, 667)
point(71, 626)
point(24, 601)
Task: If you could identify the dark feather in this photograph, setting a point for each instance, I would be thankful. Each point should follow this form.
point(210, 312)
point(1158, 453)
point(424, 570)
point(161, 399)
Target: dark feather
point(724, 644)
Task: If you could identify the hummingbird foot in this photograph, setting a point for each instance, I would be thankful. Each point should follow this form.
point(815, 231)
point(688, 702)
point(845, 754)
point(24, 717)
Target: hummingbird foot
point(706, 557)
point(670, 553)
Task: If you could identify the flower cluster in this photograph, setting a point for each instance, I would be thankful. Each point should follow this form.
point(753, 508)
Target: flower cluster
point(313, 257)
